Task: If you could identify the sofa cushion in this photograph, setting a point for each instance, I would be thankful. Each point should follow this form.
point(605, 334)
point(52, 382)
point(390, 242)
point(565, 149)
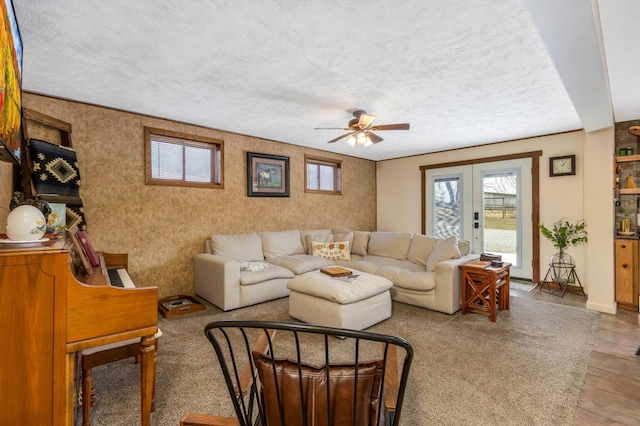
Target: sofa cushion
point(443, 250)
point(389, 244)
point(246, 247)
point(421, 281)
point(321, 238)
point(420, 248)
point(332, 251)
point(270, 273)
point(300, 263)
point(281, 243)
point(303, 237)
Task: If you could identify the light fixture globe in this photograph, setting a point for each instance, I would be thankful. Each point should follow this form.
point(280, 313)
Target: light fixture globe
point(25, 223)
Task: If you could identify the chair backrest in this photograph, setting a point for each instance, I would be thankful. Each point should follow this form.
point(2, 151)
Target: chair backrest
point(280, 373)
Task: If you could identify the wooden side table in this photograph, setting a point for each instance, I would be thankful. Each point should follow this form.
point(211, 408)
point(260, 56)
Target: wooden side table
point(484, 288)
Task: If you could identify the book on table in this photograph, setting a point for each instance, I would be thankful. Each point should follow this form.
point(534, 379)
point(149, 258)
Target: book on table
point(479, 263)
point(336, 271)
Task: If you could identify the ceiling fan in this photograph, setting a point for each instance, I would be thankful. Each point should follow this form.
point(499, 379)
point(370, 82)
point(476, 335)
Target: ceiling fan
point(361, 130)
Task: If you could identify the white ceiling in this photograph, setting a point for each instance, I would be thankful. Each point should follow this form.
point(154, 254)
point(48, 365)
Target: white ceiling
point(463, 73)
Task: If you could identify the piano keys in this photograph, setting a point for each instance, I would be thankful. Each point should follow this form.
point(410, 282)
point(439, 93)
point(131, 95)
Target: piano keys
point(50, 313)
point(119, 277)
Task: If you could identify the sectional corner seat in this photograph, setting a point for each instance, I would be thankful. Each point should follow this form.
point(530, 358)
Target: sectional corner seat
point(239, 270)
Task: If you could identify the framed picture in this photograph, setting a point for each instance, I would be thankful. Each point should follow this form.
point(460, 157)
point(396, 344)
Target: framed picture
point(267, 175)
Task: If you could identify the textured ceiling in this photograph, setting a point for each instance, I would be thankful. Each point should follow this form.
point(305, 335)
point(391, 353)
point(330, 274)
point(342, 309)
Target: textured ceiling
point(462, 73)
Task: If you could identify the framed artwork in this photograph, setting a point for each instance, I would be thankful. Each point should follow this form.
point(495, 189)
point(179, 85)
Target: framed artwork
point(267, 175)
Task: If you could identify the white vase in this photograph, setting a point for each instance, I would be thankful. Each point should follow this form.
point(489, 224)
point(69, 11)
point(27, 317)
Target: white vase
point(25, 223)
point(561, 265)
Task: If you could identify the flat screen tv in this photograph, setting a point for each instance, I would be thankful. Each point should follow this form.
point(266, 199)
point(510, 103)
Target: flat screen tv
point(10, 84)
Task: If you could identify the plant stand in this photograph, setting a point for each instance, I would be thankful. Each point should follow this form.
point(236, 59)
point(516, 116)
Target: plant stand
point(572, 284)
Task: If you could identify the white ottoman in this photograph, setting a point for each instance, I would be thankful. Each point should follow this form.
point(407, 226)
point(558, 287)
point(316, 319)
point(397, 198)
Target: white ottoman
point(317, 298)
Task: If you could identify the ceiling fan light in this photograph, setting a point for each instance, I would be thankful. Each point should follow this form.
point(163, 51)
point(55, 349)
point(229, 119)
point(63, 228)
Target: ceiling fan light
point(351, 141)
point(368, 143)
point(362, 138)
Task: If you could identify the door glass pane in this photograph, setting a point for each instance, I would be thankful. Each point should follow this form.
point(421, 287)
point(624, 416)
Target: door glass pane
point(447, 199)
point(499, 192)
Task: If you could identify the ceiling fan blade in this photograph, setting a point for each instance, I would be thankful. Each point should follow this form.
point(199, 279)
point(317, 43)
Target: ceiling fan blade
point(365, 120)
point(400, 126)
point(340, 137)
point(330, 128)
point(374, 138)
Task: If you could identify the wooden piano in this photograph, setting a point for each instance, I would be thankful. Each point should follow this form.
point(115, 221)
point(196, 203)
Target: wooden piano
point(48, 314)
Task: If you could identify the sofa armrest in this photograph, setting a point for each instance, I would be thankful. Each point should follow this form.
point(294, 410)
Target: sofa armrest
point(448, 285)
point(217, 279)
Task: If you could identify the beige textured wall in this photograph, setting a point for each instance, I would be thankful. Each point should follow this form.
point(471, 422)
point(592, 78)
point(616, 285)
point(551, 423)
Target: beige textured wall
point(163, 227)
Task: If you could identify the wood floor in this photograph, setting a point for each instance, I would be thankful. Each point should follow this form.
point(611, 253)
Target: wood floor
point(611, 392)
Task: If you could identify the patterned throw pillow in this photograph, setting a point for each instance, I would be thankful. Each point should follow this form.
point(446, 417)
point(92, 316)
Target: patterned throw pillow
point(332, 251)
point(253, 266)
point(54, 169)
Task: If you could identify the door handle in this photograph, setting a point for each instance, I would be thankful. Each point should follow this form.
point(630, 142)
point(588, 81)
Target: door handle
point(476, 225)
point(476, 216)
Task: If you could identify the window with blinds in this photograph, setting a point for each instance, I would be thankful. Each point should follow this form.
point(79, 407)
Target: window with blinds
point(178, 159)
point(323, 175)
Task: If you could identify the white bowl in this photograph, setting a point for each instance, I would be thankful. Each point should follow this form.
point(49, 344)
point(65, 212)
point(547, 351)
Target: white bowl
point(26, 223)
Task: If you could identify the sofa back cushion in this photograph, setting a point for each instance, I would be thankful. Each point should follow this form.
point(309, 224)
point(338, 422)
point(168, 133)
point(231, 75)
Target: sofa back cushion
point(247, 247)
point(281, 243)
point(420, 249)
point(389, 244)
point(443, 250)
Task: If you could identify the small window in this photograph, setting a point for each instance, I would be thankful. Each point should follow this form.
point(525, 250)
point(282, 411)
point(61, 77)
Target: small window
point(177, 159)
point(323, 176)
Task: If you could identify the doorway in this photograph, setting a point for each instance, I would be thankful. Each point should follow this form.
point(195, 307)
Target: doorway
point(488, 204)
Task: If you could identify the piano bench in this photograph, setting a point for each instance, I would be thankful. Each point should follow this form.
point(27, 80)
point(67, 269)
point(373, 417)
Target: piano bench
point(106, 354)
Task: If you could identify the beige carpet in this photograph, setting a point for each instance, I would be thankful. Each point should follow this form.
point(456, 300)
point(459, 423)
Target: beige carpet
point(527, 368)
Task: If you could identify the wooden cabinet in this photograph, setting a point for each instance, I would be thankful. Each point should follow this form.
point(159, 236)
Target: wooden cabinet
point(627, 273)
point(34, 363)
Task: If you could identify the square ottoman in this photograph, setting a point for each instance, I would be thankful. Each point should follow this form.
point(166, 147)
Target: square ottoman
point(317, 298)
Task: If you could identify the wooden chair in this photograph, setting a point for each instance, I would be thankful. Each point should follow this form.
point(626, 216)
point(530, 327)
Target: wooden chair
point(300, 374)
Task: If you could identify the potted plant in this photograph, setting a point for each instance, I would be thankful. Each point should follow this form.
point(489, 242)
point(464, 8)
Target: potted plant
point(562, 235)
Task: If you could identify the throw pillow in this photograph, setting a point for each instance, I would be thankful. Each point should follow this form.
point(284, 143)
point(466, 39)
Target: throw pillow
point(332, 251)
point(420, 248)
point(360, 242)
point(55, 169)
point(253, 266)
point(321, 238)
point(347, 236)
point(303, 237)
point(443, 250)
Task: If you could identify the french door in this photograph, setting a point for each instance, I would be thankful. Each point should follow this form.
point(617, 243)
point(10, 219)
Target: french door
point(488, 204)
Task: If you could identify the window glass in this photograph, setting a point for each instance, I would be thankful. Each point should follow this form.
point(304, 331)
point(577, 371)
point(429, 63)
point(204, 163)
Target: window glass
point(323, 175)
point(176, 159)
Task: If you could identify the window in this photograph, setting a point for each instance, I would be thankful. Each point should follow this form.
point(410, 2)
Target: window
point(323, 176)
point(177, 159)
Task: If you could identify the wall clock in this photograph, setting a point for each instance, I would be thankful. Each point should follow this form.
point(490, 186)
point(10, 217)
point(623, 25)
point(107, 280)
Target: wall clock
point(562, 166)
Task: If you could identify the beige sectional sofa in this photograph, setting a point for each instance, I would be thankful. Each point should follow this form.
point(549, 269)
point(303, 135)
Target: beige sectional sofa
point(244, 269)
